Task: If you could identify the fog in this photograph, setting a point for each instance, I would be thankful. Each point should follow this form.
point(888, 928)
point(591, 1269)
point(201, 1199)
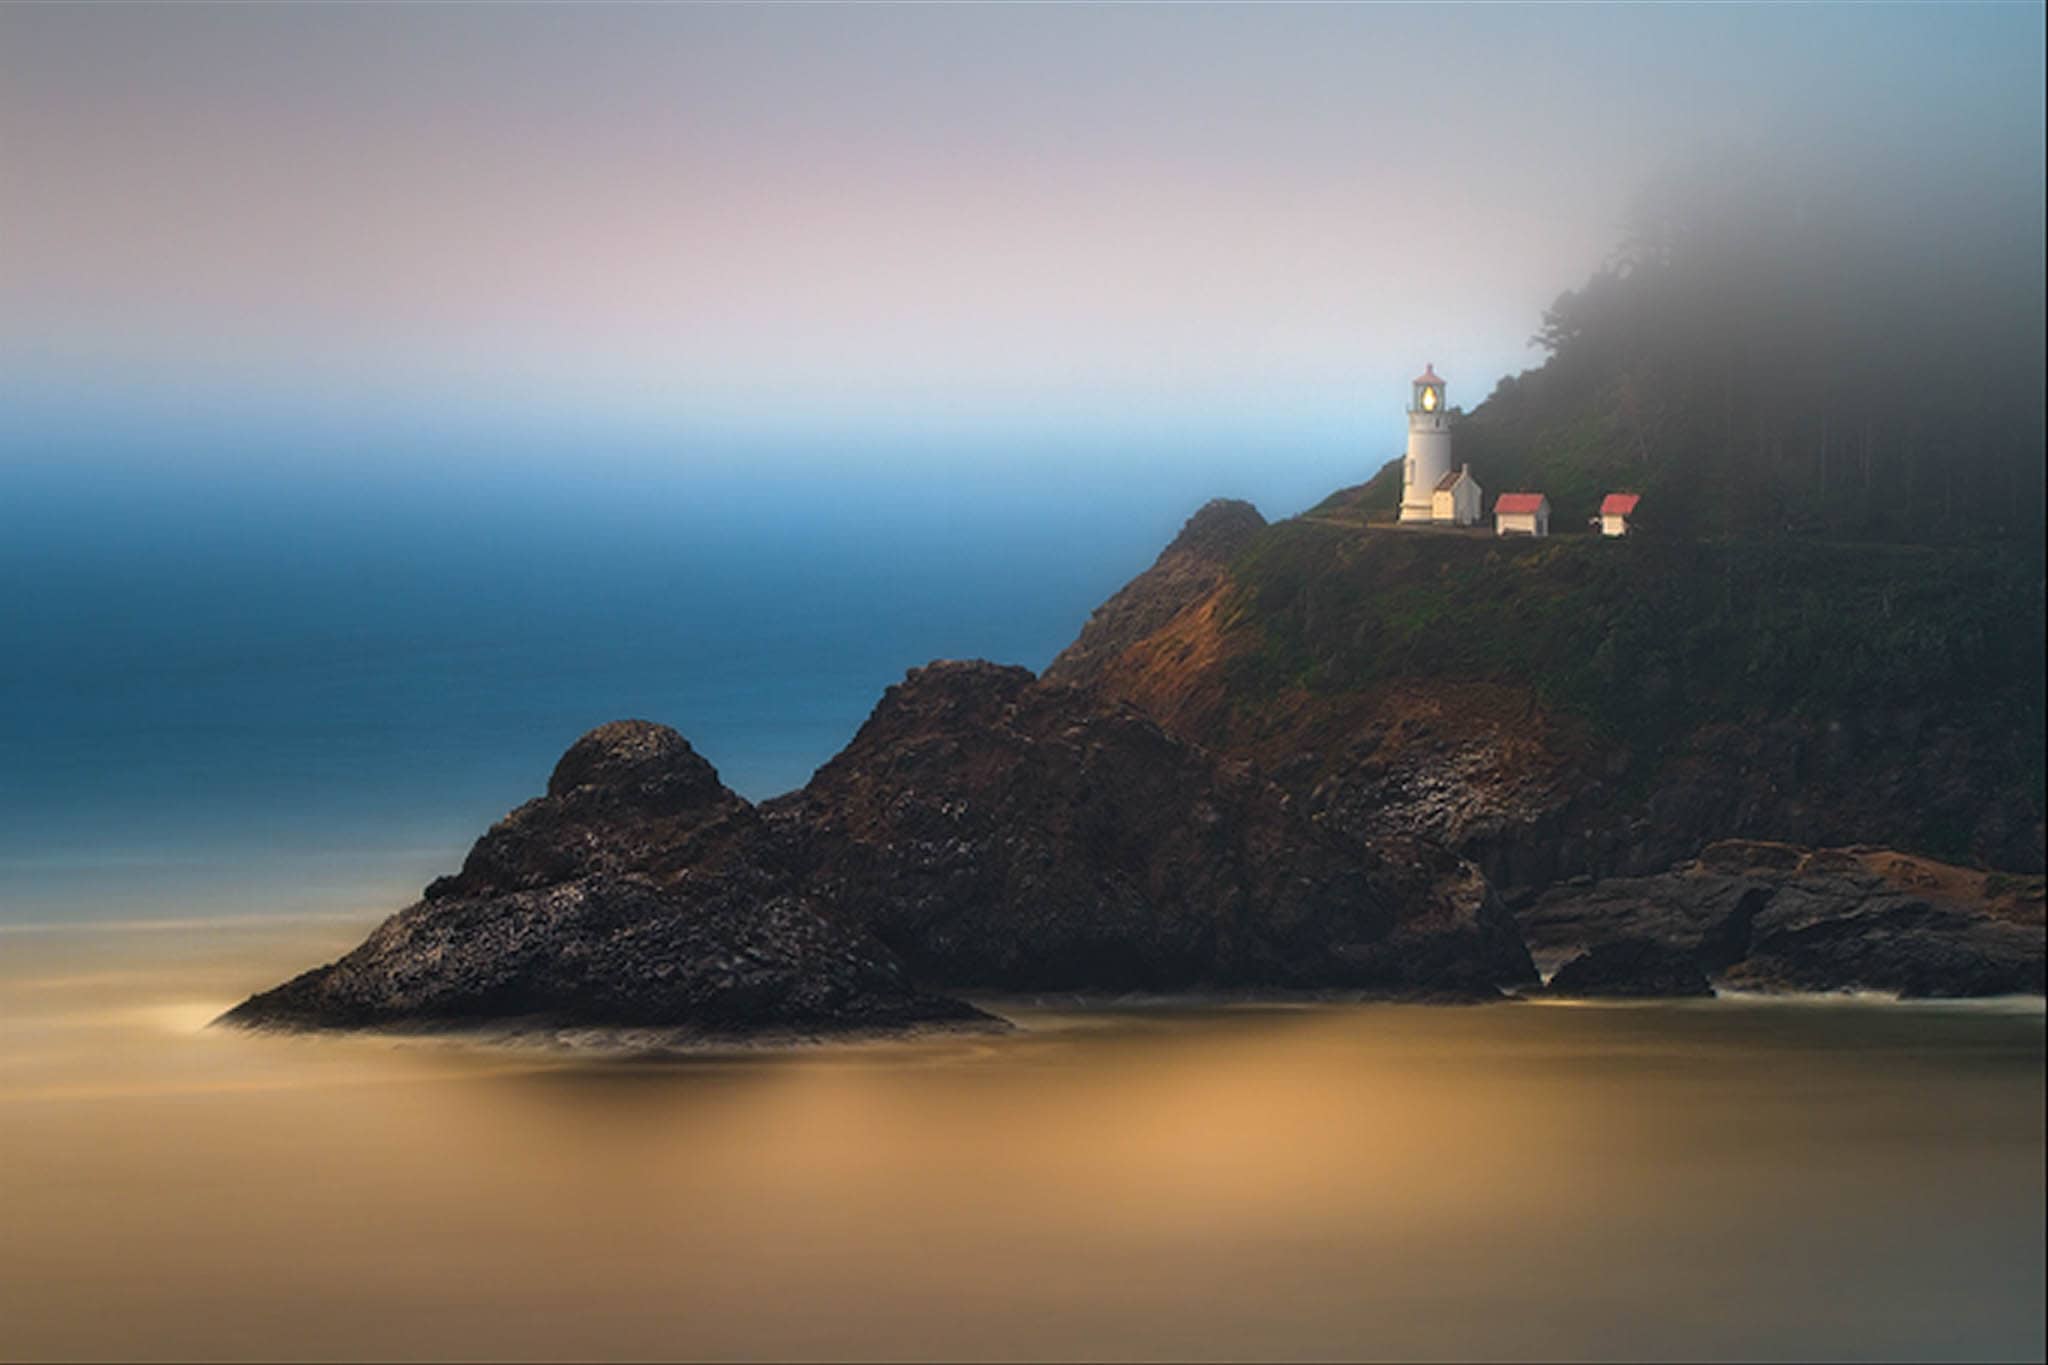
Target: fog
point(1784, 343)
point(816, 220)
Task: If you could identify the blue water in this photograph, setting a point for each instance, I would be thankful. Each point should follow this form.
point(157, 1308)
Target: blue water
point(280, 675)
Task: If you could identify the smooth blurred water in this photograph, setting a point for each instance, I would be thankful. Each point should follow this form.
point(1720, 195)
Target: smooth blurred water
point(287, 672)
point(1730, 1179)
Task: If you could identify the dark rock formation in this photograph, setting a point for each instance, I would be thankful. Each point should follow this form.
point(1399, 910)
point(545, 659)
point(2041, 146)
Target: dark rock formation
point(717, 960)
point(998, 832)
point(1631, 967)
point(628, 796)
point(1877, 920)
point(1769, 916)
point(982, 830)
point(1706, 916)
point(638, 891)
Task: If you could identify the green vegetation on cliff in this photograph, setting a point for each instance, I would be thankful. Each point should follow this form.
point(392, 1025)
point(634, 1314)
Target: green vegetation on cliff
point(1630, 632)
point(1648, 640)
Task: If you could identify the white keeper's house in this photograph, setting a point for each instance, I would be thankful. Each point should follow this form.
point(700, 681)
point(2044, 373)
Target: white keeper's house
point(1458, 500)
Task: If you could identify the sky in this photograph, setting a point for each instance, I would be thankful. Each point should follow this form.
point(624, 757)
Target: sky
point(1029, 219)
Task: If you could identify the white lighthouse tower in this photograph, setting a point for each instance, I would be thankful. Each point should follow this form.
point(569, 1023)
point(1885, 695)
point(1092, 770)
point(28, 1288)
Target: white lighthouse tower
point(1429, 446)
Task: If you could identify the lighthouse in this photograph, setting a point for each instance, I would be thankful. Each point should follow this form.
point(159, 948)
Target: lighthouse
point(1429, 447)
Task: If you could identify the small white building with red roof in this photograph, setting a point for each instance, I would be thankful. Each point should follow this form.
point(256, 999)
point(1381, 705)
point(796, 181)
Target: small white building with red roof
point(1522, 514)
point(1615, 510)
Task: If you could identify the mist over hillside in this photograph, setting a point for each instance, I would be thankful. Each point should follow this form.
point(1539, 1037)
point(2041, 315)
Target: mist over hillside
point(1848, 347)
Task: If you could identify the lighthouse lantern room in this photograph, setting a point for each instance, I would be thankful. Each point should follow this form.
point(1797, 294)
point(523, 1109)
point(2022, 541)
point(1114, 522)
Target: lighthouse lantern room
point(1429, 446)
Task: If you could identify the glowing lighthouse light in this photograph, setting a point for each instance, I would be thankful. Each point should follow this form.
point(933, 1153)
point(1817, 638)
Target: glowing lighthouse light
point(1429, 448)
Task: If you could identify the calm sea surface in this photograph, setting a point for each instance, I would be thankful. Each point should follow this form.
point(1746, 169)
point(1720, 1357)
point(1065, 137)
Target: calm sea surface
point(255, 687)
point(1783, 1180)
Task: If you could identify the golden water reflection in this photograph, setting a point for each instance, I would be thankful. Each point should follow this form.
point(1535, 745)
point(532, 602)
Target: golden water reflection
point(1780, 1180)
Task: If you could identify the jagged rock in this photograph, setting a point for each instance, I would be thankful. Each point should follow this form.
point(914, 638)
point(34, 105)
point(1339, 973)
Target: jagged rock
point(999, 832)
point(1876, 920)
point(639, 891)
point(716, 958)
point(982, 830)
point(1630, 967)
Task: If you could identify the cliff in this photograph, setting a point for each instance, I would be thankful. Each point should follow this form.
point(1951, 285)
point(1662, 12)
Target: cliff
point(1581, 706)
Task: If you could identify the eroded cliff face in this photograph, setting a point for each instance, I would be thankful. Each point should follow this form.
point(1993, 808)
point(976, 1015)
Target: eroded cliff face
point(1188, 572)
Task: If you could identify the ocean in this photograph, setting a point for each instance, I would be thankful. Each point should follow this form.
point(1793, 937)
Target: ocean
point(243, 678)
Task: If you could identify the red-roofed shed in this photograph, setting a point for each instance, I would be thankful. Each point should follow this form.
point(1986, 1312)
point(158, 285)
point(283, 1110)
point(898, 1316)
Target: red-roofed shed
point(1615, 510)
point(1525, 514)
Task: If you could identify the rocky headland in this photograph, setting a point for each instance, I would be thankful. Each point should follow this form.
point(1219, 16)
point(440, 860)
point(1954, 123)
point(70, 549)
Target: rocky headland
point(1285, 758)
point(1778, 766)
point(984, 831)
